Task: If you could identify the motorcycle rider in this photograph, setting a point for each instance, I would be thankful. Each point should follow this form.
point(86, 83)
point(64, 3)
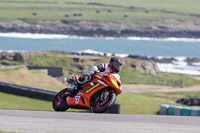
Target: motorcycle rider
point(114, 67)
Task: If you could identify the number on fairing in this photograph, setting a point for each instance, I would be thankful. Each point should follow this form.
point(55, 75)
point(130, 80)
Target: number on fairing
point(77, 99)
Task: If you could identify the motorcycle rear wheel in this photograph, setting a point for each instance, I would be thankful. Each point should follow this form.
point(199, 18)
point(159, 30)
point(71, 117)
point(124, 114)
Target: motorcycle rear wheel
point(105, 106)
point(60, 105)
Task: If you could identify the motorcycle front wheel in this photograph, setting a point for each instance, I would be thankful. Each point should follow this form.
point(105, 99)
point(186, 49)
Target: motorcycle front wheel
point(59, 103)
point(100, 106)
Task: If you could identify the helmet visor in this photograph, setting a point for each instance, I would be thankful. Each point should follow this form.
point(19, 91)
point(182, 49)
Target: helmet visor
point(117, 66)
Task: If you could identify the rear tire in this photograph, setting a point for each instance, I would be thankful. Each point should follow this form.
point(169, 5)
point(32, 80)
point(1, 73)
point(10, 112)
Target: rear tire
point(100, 109)
point(60, 105)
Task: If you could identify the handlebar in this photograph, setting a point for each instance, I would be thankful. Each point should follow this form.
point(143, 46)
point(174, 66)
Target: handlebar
point(103, 74)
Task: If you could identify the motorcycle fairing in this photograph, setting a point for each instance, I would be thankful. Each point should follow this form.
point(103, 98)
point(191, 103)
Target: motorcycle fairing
point(82, 99)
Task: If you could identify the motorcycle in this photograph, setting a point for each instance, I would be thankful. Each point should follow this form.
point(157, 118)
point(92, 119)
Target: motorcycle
point(98, 95)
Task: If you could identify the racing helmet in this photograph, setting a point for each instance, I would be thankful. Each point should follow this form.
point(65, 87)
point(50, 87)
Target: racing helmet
point(115, 64)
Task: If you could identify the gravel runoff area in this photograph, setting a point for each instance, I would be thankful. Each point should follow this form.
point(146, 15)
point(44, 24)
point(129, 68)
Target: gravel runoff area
point(69, 122)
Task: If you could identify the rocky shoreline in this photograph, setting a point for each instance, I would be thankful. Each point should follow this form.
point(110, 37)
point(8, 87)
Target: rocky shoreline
point(77, 28)
point(105, 33)
point(169, 60)
point(191, 61)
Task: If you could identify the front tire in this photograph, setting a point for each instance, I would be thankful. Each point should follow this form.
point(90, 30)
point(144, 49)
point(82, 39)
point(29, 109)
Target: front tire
point(97, 107)
point(60, 104)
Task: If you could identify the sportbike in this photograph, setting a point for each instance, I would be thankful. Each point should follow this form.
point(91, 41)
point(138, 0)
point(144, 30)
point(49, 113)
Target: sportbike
point(99, 94)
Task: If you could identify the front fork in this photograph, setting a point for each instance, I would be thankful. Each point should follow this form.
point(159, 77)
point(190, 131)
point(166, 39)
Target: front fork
point(104, 95)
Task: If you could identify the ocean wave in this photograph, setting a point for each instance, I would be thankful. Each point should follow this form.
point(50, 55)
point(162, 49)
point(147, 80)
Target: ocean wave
point(60, 36)
point(179, 65)
point(89, 51)
point(164, 39)
point(40, 36)
point(11, 51)
point(47, 36)
point(8, 51)
point(181, 68)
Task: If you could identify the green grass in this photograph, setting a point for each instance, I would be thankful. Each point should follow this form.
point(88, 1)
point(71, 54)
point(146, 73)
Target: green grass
point(188, 80)
point(130, 103)
point(173, 5)
point(140, 104)
point(131, 76)
point(149, 103)
point(55, 10)
point(6, 62)
point(9, 101)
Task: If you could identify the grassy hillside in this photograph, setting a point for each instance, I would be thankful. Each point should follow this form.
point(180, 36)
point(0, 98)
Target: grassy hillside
point(140, 12)
point(25, 77)
point(131, 76)
point(72, 64)
point(128, 74)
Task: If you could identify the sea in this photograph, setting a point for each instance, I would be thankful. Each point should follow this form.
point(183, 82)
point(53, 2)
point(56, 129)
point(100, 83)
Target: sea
point(178, 48)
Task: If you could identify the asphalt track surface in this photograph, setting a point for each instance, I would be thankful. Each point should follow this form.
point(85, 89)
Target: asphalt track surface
point(70, 122)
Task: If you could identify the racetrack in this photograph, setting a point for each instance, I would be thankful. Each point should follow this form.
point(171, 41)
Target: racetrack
point(71, 122)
